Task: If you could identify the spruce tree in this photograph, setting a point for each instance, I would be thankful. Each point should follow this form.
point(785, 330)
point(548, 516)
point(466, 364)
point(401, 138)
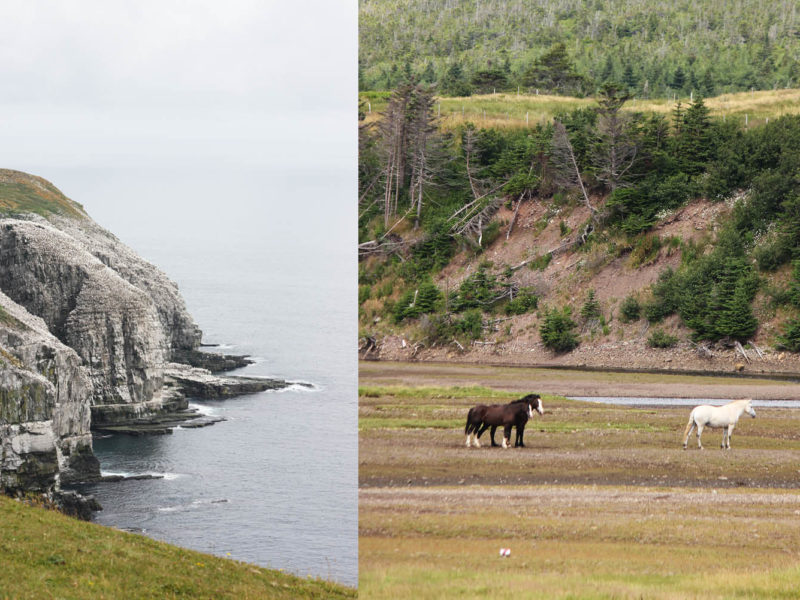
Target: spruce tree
point(736, 319)
point(557, 331)
point(591, 308)
point(454, 82)
point(678, 79)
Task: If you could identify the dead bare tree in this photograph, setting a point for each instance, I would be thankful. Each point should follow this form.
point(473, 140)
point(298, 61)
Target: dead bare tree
point(423, 145)
point(393, 144)
point(408, 146)
point(471, 219)
point(568, 174)
point(567, 171)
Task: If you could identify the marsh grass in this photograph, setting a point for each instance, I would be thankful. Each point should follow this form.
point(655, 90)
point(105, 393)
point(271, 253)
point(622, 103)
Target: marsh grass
point(602, 503)
point(509, 110)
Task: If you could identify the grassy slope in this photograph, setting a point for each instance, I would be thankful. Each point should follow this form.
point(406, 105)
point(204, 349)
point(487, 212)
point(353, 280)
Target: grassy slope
point(602, 503)
point(23, 193)
point(47, 555)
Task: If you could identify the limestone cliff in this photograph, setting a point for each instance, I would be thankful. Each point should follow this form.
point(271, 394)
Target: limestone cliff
point(90, 335)
point(45, 397)
point(86, 329)
point(112, 325)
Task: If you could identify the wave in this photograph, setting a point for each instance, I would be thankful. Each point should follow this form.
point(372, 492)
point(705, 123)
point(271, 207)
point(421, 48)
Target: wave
point(300, 386)
point(194, 504)
point(203, 409)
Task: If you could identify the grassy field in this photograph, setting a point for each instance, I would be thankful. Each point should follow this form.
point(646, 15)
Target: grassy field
point(44, 554)
point(602, 503)
point(504, 110)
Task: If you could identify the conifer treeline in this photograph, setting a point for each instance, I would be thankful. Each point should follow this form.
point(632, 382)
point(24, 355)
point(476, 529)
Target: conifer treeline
point(654, 49)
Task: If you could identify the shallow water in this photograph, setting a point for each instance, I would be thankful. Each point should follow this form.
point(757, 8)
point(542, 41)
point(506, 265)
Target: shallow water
point(643, 401)
point(275, 484)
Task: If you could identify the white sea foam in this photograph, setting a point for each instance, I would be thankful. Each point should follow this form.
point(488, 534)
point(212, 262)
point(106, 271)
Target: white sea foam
point(115, 474)
point(194, 504)
point(203, 409)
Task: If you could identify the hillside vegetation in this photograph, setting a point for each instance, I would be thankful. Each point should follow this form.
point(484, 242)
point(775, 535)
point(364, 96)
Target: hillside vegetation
point(572, 46)
point(48, 555)
point(601, 224)
point(517, 111)
point(23, 193)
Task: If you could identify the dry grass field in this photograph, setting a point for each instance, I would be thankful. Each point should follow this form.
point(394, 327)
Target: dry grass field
point(509, 110)
point(602, 503)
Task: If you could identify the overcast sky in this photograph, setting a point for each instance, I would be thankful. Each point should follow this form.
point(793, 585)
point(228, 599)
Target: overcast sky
point(100, 83)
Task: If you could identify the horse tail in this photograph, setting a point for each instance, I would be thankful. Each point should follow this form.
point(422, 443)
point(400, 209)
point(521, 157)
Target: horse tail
point(689, 425)
point(469, 419)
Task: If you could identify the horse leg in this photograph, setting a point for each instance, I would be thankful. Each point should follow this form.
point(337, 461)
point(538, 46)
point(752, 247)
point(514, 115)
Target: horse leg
point(730, 433)
point(477, 443)
point(724, 437)
point(699, 433)
point(494, 428)
point(518, 443)
point(482, 428)
point(506, 435)
point(688, 432)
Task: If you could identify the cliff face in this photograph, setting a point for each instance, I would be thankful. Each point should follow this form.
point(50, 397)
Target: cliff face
point(113, 326)
point(45, 397)
point(86, 330)
point(181, 332)
point(90, 335)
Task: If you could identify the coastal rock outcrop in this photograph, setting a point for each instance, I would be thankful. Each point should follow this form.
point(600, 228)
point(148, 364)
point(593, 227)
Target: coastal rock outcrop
point(45, 396)
point(91, 336)
point(113, 326)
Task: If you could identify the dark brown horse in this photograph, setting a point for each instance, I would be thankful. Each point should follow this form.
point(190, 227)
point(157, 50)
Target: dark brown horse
point(513, 414)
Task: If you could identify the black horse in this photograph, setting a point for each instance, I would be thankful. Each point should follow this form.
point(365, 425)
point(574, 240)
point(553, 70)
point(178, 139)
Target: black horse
point(474, 422)
point(513, 414)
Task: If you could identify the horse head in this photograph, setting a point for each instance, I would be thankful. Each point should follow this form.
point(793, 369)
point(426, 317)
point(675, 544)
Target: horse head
point(748, 408)
point(534, 403)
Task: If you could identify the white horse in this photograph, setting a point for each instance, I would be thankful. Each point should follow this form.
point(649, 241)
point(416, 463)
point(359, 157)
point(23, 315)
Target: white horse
point(717, 416)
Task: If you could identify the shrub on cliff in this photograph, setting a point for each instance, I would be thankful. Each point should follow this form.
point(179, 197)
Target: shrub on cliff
point(525, 301)
point(790, 340)
point(629, 310)
point(421, 300)
point(661, 339)
point(558, 331)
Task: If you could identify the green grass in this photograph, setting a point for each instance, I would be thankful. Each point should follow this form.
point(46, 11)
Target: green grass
point(440, 393)
point(22, 193)
point(48, 555)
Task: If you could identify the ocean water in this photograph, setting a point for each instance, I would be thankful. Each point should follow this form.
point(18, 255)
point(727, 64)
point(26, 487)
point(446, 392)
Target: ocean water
point(265, 263)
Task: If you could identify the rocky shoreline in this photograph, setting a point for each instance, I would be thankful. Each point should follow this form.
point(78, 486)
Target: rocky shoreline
point(628, 355)
point(93, 340)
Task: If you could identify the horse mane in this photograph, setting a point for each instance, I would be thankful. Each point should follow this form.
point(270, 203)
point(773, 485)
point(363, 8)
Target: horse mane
point(526, 399)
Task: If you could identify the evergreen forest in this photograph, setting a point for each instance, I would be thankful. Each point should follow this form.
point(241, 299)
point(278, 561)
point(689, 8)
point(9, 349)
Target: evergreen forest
point(654, 49)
